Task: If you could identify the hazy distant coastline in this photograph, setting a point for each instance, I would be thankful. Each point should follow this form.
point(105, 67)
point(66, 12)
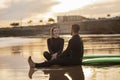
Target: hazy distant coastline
point(102, 26)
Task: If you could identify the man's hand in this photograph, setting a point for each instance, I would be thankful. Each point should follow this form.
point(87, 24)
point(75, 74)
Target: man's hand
point(54, 56)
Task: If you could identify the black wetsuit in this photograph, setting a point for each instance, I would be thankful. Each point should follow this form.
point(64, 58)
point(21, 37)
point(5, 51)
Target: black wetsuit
point(71, 56)
point(55, 45)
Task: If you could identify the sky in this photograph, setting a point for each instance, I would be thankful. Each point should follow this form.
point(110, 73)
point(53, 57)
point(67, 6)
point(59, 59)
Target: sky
point(24, 10)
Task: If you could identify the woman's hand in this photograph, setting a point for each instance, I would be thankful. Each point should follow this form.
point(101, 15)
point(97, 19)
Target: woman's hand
point(54, 56)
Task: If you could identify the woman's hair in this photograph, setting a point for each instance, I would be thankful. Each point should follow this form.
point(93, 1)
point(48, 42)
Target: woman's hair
point(51, 30)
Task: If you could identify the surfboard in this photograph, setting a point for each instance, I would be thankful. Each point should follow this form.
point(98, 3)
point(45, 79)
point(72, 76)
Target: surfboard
point(101, 61)
point(100, 56)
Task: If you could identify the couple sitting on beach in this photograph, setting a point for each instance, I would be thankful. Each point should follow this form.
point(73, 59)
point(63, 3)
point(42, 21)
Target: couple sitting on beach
point(71, 56)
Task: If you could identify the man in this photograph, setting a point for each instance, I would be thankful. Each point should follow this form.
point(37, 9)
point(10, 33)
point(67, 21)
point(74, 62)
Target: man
point(71, 56)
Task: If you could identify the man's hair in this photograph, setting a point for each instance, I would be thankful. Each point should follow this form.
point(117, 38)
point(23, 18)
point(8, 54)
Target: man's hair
point(76, 28)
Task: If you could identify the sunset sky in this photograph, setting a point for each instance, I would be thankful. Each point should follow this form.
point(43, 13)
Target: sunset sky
point(25, 10)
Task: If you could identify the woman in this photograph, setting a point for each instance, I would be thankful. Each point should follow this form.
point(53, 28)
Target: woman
point(55, 44)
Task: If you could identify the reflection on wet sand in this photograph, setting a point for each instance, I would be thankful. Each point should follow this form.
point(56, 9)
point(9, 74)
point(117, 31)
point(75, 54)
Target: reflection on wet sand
point(66, 73)
point(16, 49)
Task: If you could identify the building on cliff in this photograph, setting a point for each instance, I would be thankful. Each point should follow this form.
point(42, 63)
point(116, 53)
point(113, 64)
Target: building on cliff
point(90, 26)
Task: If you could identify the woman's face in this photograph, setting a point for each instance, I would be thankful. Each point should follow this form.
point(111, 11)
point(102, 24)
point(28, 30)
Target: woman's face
point(56, 31)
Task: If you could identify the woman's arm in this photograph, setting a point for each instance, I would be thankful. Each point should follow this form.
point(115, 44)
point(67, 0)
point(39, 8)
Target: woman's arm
point(49, 46)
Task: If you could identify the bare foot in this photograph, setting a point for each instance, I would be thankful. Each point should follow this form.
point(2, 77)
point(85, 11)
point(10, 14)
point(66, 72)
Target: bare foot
point(32, 66)
point(31, 63)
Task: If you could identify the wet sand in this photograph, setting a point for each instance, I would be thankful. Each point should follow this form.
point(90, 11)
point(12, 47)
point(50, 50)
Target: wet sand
point(14, 53)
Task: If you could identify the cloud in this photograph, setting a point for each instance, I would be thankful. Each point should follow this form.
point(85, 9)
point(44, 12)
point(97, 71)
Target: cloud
point(98, 9)
point(11, 10)
point(102, 8)
point(18, 9)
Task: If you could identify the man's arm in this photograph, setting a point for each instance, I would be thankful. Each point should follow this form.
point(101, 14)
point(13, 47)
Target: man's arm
point(67, 51)
point(61, 46)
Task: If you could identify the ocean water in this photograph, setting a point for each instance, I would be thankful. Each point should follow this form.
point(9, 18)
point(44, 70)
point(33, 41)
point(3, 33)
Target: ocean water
point(14, 52)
